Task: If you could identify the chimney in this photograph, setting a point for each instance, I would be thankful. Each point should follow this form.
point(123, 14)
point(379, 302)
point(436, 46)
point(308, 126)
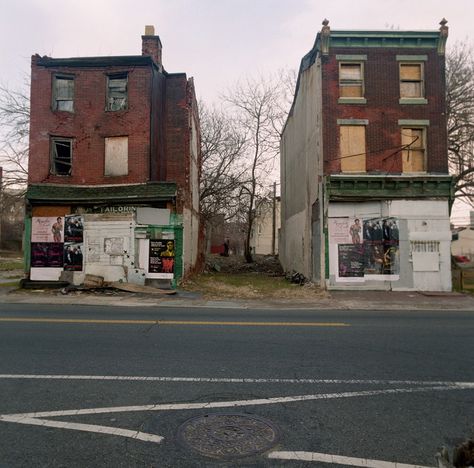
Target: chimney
point(151, 46)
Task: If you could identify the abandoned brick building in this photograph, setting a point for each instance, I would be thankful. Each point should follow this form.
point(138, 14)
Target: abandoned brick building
point(113, 170)
point(365, 192)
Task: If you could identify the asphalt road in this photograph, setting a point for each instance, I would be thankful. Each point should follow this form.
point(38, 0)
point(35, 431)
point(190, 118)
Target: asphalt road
point(207, 385)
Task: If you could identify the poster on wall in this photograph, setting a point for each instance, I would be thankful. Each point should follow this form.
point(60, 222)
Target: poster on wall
point(351, 260)
point(366, 248)
point(381, 242)
point(162, 257)
point(46, 255)
point(47, 229)
point(73, 228)
point(73, 256)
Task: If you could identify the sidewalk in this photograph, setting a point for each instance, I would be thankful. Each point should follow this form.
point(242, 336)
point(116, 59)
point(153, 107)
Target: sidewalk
point(335, 300)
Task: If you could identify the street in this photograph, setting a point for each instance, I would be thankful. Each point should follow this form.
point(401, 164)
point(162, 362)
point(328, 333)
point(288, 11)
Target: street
point(175, 387)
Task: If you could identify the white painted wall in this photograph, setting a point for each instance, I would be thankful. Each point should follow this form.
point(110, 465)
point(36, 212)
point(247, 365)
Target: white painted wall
point(419, 220)
point(261, 239)
point(301, 165)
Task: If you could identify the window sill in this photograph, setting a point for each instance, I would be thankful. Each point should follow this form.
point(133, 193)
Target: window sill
point(413, 101)
point(348, 100)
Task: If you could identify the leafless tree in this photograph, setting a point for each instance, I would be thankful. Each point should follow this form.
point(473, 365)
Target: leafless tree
point(460, 115)
point(14, 134)
point(259, 112)
point(222, 149)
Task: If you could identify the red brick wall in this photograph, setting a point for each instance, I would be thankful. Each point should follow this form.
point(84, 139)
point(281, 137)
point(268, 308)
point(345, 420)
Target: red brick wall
point(383, 110)
point(89, 125)
point(177, 139)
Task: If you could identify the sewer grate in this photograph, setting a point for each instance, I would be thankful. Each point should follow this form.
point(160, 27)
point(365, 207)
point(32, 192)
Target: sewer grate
point(228, 436)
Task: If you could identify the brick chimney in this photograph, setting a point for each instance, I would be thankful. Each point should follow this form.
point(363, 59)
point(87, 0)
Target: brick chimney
point(151, 45)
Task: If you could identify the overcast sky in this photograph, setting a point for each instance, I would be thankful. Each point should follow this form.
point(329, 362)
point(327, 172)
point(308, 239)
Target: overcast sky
point(215, 41)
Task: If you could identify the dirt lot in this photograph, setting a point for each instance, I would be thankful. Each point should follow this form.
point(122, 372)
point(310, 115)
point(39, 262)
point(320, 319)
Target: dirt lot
point(232, 277)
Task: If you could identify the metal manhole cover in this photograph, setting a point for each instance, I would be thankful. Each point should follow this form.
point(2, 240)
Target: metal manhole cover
point(228, 435)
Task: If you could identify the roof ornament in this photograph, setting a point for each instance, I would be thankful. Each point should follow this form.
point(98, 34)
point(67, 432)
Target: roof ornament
point(443, 36)
point(325, 35)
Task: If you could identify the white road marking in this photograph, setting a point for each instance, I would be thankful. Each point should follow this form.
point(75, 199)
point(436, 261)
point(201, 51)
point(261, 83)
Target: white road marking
point(236, 403)
point(85, 428)
point(133, 378)
point(339, 460)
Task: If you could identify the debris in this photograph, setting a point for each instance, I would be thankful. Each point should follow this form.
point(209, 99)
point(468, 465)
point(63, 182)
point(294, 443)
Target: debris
point(136, 288)
point(93, 281)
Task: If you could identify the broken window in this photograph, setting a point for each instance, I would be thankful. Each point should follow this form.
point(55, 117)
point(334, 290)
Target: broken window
point(61, 156)
point(411, 80)
point(116, 156)
point(414, 150)
point(352, 148)
point(351, 80)
point(63, 93)
point(117, 92)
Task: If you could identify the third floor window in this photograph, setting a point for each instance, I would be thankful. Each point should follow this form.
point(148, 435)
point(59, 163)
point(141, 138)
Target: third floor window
point(63, 93)
point(351, 80)
point(411, 80)
point(117, 95)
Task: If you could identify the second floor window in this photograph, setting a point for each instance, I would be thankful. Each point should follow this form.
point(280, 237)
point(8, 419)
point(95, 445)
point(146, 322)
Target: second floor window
point(351, 80)
point(63, 93)
point(414, 150)
point(352, 149)
point(117, 98)
point(411, 80)
point(61, 156)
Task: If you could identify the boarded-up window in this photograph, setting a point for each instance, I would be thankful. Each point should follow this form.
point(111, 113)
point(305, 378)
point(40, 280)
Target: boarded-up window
point(413, 154)
point(117, 92)
point(61, 156)
point(116, 156)
point(351, 80)
point(352, 148)
point(63, 93)
point(411, 80)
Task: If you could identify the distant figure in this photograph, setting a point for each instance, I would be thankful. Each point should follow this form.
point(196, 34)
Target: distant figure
point(226, 248)
point(56, 229)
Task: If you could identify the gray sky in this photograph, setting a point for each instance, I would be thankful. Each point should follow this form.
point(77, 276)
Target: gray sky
point(215, 41)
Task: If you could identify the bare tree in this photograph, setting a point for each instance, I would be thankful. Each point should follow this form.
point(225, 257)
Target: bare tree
point(259, 112)
point(14, 134)
point(222, 150)
point(460, 116)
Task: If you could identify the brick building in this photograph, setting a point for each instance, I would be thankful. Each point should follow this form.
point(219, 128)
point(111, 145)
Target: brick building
point(113, 169)
point(366, 193)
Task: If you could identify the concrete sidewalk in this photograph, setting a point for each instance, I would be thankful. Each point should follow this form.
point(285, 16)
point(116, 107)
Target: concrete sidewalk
point(339, 300)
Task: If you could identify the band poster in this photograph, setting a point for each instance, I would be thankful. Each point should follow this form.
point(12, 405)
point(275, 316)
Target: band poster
point(162, 257)
point(366, 247)
point(73, 242)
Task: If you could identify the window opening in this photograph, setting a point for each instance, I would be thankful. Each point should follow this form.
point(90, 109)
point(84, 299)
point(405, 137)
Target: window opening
point(61, 157)
point(352, 148)
point(63, 93)
point(413, 154)
point(351, 80)
point(117, 92)
point(411, 80)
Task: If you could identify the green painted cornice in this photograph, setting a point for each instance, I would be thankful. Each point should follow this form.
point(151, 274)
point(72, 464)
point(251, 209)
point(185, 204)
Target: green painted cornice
point(342, 187)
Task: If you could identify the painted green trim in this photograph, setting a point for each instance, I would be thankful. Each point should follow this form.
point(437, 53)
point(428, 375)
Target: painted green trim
point(351, 58)
point(413, 101)
point(379, 187)
point(326, 253)
point(27, 244)
point(421, 122)
point(352, 122)
point(348, 100)
point(411, 58)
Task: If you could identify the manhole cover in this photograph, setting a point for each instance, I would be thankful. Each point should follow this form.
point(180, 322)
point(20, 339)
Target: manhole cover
point(228, 435)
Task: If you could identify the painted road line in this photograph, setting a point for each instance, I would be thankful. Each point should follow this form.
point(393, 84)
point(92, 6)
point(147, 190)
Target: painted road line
point(175, 322)
point(144, 436)
point(243, 380)
point(236, 403)
point(339, 460)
